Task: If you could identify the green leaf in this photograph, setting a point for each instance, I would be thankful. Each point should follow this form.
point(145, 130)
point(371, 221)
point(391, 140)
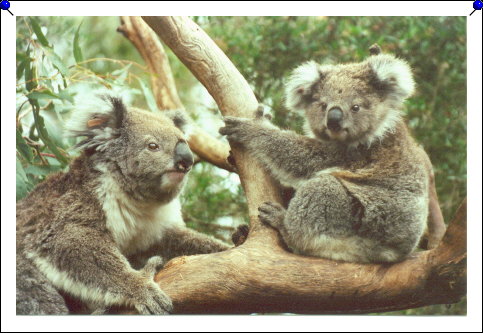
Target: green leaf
point(121, 74)
point(57, 62)
point(41, 170)
point(30, 76)
point(21, 68)
point(23, 186)
point(77, 50)
point(21, 56)
point(38, 32)
point(65, 95)
point(23, 148)
point(149, 96)
point(43, 134)
point(44, 94)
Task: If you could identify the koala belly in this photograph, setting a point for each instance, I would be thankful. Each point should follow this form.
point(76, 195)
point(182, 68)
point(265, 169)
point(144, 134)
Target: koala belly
point(325, 220)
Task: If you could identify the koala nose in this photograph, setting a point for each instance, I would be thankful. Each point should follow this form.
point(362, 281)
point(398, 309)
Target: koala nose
point(183, 158)
point(334, 119)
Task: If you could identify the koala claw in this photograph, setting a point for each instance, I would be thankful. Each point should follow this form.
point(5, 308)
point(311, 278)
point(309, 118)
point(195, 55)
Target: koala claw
point(272, 214)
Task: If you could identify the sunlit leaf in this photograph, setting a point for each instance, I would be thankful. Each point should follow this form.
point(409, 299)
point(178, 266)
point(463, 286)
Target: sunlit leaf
point(57, 62)
point(38, 32)
point(149, 96)
point(77, 49)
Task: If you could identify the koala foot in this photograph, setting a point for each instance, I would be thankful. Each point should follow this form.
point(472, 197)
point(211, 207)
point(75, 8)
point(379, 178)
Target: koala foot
point(153, 265)
point(272, 214)
point(240, 235)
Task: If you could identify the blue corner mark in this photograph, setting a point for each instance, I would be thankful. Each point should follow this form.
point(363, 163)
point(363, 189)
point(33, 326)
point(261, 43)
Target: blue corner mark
point(5, 5)
point(477, 5)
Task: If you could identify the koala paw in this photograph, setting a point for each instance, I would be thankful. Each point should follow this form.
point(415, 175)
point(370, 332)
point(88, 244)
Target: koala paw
point(153, 265)
point(240, 235)
point(152, 300)
point(272, 214)
point(235, 129)
point(261, 113)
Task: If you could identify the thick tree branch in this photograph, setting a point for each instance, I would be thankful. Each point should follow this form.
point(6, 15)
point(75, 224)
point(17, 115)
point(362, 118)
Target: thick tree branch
point(260, 275)
point(164, 88)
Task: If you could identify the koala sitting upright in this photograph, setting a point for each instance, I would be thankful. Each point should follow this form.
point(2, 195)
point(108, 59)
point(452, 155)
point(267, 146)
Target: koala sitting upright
point(361, 181)
point(86, 232)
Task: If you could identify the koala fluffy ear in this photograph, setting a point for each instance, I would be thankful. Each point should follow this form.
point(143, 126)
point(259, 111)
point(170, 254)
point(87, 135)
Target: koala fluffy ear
point(298, 89)
point(100, 122)
point(180, 120)
point(393, 76)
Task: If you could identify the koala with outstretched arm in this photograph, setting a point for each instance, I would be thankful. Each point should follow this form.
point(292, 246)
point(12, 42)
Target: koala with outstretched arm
point(96, 232)
point(360, 179)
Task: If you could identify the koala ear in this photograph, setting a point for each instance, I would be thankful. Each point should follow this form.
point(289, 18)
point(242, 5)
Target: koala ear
point(100, 121)
point(299, 87)
point(392, 76)
point(180, 120)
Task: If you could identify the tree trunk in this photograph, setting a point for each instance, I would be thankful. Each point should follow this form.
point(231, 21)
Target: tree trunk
point(261, 275)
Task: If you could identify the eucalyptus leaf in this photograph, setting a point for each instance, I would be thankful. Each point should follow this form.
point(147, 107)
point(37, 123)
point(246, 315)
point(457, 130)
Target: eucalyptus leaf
point(57, 62)
point(77, 49)
point(38, 32)
point(23, 186)
point(23, 148)
point(44, 94)
point(149, 96)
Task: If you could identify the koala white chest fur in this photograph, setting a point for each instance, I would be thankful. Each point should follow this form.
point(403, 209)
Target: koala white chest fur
point(136, 226)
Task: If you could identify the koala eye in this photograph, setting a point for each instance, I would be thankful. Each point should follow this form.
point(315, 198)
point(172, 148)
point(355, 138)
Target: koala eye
point(324, 106)
point(355, 108)
point(153, 146)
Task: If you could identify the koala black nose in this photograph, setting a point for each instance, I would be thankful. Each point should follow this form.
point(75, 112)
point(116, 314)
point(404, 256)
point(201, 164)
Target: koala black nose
point(183, 158)
point(334, 119)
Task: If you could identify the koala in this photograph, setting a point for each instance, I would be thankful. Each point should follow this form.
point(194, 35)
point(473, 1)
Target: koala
point(360, 179)
point(98, 232)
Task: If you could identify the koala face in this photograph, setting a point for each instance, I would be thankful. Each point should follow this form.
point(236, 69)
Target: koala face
point(351, 103)
point(146, 153)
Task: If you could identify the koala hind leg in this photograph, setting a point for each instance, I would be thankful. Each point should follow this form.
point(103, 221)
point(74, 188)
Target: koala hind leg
point(319, 222)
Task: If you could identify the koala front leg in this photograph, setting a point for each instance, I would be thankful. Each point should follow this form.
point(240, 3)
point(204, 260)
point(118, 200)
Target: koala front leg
point(181, 242)
point(290, 157)
point(81, 262)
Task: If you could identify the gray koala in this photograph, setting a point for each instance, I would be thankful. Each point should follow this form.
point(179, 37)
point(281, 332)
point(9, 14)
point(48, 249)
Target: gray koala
point(360, 180)
point(89, 233)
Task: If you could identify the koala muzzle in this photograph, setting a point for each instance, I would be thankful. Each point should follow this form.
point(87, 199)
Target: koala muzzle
point(334, 119)
point(183, 158)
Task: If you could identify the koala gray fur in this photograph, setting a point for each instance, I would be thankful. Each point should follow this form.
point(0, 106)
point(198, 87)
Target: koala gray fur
point(87, 232)
point(361, 181)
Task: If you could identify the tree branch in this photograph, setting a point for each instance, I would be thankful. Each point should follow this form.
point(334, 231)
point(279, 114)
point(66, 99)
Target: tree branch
point(260, 275)
point(164, 88)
